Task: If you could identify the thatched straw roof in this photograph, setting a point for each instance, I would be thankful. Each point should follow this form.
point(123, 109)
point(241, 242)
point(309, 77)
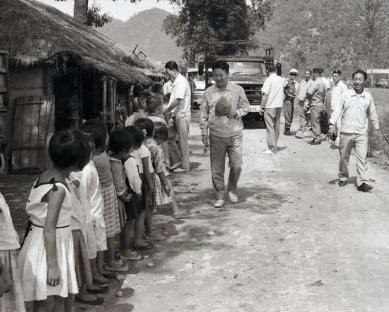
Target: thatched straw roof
point(34, 33)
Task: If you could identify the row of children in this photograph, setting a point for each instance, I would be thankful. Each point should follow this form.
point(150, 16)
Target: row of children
point(89, 212)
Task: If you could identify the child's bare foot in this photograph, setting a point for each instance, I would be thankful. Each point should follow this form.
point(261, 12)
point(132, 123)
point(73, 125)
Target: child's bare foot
point(179, 215)
point(100, 279)
point(116, 266)
point(142, 245)
point(131, 255)
point(106, 274)
point(98, 289)
point(88, 298)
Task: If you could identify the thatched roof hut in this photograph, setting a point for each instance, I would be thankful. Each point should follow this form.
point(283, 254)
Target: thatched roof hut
point(34, 33)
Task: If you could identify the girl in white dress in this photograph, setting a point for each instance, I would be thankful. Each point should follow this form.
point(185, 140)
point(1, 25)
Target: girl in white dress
point(46, 260)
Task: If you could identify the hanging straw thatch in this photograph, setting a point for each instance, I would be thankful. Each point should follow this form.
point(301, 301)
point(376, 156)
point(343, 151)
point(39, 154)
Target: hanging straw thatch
point(35, 33)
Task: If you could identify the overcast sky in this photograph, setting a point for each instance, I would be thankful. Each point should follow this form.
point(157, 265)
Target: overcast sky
point(120, 9)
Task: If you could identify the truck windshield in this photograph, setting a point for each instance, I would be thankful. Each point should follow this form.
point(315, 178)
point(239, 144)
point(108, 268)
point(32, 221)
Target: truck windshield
point(247, 68)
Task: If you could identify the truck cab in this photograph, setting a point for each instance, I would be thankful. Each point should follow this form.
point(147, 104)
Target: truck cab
point(250, 73)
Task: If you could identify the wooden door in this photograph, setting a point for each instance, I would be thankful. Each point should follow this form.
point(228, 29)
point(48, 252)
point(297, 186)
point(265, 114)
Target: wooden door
point(3, 80)
point(32, 127)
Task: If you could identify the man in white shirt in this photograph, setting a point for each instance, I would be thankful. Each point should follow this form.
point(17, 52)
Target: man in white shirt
point(355, 110)
point(179, 106)
point(272, 103)
point(337, 95)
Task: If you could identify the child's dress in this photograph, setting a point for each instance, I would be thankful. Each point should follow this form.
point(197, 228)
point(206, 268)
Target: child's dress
point(111, 212)
point(9, 243)
point(91, 181)
point(80, 190)
point(32, 258)
point(119, 181)
point(160, 196)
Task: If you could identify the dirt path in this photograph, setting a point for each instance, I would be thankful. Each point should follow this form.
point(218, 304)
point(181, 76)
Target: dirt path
point(295, 242)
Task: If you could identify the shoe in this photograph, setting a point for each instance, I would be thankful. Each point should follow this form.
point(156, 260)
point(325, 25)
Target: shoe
point(98, 289)
point(96, 301)
point(299, 136)
point(287, 132)
point(333, 146)
point(342, 183)
point(233, 198)
point(315, 142)
point(175, 166)
point(219, 203)
point(180, 170)
point(268, 151)
point(364, 187)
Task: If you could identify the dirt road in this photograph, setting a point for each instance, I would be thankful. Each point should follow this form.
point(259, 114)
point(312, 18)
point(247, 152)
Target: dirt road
point(295, 242)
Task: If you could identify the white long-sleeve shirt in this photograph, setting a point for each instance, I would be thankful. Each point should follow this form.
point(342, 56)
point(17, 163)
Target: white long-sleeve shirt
point(355, 111)
point(337, 94)
point(134, 180)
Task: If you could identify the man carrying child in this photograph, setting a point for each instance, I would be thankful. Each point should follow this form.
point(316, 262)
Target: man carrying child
point(221, 110)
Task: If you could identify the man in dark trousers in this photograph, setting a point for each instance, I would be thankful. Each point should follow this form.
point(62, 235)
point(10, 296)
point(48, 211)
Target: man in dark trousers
point(290, 88)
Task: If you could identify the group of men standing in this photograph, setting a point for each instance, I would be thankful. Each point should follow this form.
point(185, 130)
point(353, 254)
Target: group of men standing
point(225, 103)
point(349, 110)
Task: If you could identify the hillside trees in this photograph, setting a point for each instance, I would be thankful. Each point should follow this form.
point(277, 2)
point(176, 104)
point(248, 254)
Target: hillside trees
point(372, 29)
point(203, 25)
point(91, 16)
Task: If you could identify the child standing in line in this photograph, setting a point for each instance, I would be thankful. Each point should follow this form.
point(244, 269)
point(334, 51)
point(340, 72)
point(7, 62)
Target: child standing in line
point(164, 191)
point(11, 293)
point(91, 182)
point(136, 208)
point(80, 233)
point(46, 260)
point(98, 130)
point(147, 126)
point(154, 111)
point(140, 106)
point(120, 148)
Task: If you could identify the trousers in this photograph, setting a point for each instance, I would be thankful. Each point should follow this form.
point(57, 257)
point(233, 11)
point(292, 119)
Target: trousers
point(272, 118)
point(318, 113)
point(288, 112)
point(179, 131)
point(220, 147)
point(347, 142)
point(304, 117)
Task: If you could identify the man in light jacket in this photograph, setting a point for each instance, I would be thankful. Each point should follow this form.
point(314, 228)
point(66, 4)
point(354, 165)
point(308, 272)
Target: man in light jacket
point(225, 138)
point(355, 110)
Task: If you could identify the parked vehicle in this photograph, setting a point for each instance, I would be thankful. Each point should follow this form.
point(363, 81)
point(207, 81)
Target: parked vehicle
point(250, 73)
point(382, 83)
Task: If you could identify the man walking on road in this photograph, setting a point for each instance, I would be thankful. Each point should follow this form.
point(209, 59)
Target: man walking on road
point(355, 110)
point(303, 104)
point(337, 95)
point(272, 103)
point(316, 94)
point(225, 137)
point(291, 86)
point(179, 105)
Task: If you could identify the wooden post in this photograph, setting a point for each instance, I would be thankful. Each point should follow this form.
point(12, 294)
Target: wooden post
point(104, 115)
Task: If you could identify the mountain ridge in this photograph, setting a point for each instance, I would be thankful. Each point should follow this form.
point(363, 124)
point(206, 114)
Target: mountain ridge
point(155, 43)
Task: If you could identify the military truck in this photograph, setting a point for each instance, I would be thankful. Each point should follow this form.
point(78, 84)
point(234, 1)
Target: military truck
point(250, 73)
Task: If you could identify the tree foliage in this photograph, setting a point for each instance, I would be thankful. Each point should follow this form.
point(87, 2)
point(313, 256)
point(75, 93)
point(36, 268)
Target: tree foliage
point(373, 16)
point(203, 25)
point(329, 34)
point(96, 18)
point(92, 16)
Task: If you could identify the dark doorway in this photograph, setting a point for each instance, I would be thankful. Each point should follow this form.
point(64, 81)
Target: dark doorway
point(65, 102)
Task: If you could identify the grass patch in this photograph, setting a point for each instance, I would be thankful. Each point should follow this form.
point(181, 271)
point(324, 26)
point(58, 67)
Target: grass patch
point(381, 98)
